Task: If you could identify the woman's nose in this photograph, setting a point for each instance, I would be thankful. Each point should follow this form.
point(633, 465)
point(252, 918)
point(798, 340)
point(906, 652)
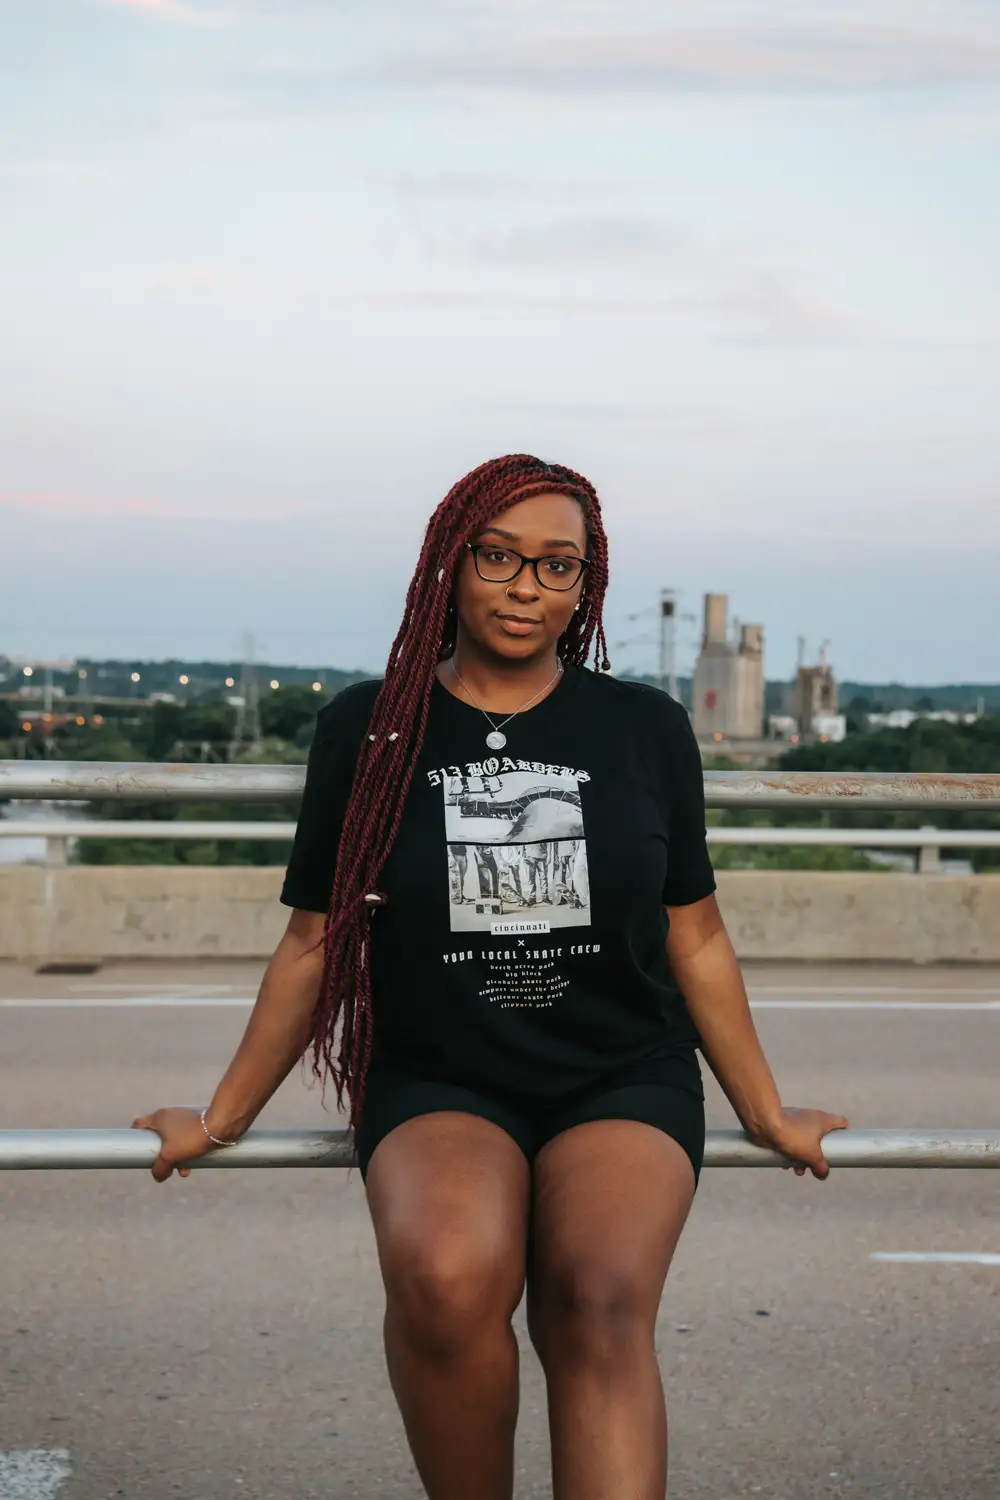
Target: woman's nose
point(525, 586)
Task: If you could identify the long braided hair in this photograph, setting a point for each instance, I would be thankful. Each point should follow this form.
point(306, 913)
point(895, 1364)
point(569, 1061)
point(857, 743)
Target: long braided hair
point(395, 736)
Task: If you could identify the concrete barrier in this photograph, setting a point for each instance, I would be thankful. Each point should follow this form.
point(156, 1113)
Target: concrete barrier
point(154, 911)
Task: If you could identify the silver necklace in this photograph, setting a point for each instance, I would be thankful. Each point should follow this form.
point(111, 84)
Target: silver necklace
point(496, 740)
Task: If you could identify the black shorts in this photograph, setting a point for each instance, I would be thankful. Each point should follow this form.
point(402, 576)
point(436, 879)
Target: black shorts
point(664, 1091)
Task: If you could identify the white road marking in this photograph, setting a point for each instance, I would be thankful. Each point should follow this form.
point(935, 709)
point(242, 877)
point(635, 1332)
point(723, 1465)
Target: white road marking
point(940, 1257)
point(117, 1002)
point(156, 989)
point(33, 1473)
point(124, 1002)
point(936, 1005)
point(770, 997)
point(871, 989)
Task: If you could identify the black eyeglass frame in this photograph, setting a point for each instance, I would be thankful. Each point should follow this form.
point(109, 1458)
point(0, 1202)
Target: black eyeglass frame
point(476, 547)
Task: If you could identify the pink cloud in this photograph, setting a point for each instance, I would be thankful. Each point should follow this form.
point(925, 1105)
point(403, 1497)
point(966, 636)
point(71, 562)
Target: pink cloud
point(820, 55)
point(225, 507)
point(168, 10)
point(83, 505)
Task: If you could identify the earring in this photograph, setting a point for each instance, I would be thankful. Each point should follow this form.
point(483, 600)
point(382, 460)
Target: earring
point(575, 608)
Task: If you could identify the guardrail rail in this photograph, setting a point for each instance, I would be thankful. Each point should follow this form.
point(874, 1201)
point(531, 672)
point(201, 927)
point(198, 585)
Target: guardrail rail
point(66, 781)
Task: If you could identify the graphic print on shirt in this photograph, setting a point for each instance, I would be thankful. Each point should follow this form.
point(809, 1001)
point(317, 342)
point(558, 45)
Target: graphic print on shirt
point(517, 852)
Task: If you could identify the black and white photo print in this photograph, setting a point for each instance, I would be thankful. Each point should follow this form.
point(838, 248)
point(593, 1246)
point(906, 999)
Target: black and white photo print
point(517, 854)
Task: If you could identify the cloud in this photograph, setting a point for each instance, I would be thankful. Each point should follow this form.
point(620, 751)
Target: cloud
point(34, 502)
point(225, 508)
point(670, 263)
point(41, 167)
point(817, 57)
point(172, 11)
point(756, 303)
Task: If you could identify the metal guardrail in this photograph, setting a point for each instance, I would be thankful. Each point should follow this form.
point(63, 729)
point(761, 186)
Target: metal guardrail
point(148, 828)
point(57, 835)
point(89, 781)
point(29, 1150)
point(139, 828)
point(68, 781)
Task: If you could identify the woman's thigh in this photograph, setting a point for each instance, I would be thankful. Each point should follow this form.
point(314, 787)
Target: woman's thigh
point(449, 1196)
point(610, 1200)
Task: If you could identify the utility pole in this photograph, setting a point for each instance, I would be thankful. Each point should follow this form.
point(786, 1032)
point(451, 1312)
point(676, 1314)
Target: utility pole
point(668, 642)
point(247, 732)
point(47, 713)
point(84, 698)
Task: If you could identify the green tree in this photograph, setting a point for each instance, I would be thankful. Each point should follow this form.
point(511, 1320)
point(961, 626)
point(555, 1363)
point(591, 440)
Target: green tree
point(290, 712)
point(928, 745)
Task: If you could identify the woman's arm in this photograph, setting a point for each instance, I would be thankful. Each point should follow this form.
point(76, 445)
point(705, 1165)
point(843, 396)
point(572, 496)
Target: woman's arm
point(278, 1030)
point(706, 969)
point(276, 1036)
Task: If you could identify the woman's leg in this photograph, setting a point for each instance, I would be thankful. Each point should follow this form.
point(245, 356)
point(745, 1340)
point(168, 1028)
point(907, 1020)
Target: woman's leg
point(611, 1198)
point(449, 1196)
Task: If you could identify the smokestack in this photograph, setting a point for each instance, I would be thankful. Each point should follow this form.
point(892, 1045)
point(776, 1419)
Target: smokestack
point(716, 614)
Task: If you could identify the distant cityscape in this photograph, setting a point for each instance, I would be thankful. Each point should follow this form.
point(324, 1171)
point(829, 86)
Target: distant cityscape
point(732, 704)
point(736, 710)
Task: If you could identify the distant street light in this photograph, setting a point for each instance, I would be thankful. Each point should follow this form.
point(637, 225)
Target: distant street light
point(274, 682)
point(135, 677)
point(317, 687)
point(230, 682)
point(29, 671)
point(183, 681)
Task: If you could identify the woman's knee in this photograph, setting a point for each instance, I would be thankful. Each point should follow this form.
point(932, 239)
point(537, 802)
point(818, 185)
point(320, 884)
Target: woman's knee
point(445, 1292)
point(588, 1310)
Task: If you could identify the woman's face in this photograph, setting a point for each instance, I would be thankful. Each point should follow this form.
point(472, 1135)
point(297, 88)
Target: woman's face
point(520, 619)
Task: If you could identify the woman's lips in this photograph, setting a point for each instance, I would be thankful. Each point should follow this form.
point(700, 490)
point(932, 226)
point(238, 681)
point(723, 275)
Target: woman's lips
point(518, 624)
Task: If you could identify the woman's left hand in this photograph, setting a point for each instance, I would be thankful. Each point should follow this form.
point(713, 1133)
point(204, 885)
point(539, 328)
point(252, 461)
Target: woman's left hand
point(799, 1135)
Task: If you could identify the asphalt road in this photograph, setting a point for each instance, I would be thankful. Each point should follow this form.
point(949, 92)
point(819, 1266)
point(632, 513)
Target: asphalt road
point(220, 1336)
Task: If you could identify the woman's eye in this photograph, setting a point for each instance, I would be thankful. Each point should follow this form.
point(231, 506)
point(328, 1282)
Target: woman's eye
point(557, 565)
point(497, 555)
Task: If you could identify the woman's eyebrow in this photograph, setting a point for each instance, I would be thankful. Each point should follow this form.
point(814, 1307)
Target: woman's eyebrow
point(510, 536)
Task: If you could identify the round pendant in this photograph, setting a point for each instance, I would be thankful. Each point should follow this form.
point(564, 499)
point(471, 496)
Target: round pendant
point(496, 740)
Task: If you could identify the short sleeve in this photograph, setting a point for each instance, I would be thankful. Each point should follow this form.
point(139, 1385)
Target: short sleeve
point(333, 756)
point(690, 876)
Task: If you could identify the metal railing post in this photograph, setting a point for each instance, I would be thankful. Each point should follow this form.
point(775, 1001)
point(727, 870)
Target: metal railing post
point(56, 850)
point(929, 856)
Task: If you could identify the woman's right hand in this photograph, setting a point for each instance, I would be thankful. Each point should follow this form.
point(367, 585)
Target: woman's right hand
point(182, 1138)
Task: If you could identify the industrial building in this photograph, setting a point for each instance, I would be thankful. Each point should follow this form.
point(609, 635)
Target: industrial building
point(727, 695)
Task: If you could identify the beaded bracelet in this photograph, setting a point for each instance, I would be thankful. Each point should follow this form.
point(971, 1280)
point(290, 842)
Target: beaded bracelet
point(213, 1138)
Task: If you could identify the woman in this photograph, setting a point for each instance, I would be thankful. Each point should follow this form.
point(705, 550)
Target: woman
point(524, 1088)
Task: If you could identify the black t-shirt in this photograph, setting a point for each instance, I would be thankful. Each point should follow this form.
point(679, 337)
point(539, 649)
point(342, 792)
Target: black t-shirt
point(523, 943)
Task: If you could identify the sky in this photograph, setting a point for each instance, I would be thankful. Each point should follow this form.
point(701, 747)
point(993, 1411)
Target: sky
point(273, 276)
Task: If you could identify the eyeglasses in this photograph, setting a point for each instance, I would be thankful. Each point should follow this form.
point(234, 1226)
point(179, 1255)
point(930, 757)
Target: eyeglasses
point(502, 565)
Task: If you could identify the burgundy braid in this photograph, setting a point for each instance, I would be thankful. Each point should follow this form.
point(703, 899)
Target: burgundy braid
point(395, 736)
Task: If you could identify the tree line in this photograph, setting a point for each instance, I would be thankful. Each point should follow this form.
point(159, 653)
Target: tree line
point(205, 730)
